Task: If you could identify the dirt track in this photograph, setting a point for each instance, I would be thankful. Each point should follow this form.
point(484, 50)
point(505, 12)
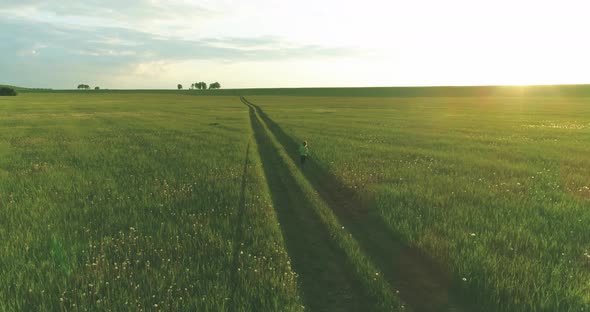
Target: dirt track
point(422, 283)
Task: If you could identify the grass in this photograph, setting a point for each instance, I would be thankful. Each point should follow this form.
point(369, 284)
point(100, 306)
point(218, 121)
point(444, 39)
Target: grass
point(134, 202)
point(424, 285)
point(494, 189)
point(337, 262)
point(373, 92)
point(131, 200)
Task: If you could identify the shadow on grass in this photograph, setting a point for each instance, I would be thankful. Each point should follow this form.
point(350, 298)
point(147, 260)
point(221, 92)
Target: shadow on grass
point(324, 272)
point(423, 283)
point(239, 230)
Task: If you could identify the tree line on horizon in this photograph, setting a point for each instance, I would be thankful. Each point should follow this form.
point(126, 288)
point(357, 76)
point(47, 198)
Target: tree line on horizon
point(201, 86)
point(197, 85)
point(6, 91)
point(86, 87)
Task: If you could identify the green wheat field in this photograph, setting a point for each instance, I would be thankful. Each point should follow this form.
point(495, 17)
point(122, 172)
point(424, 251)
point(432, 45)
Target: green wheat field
point(167, 201)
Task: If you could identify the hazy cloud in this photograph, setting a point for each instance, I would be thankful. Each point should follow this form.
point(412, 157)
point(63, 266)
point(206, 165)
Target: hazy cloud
point(44, 54)
point(57, 43)
point(124, 11)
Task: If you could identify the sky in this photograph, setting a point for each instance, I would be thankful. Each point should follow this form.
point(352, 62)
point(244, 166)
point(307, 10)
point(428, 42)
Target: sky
point(129, 44)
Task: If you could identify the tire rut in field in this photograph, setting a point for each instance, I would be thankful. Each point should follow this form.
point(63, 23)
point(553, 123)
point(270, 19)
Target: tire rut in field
point(239, 230)
point(423, 283)
point(324, 272)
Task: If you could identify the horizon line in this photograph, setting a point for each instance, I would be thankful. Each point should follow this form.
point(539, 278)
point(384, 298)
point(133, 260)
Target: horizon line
point(315, 87)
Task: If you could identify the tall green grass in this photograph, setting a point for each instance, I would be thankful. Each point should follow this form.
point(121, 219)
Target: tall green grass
point(382, 295)
point(494, 188)
point(136, 202)
point(149, 201)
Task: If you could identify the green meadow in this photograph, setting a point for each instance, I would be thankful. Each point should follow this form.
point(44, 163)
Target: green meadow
point(413, 200)
point(495, 189)
point(136, 203)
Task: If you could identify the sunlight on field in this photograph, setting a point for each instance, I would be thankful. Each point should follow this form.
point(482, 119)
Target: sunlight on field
point(555, 125)
point(496, 189)
point(169, 201)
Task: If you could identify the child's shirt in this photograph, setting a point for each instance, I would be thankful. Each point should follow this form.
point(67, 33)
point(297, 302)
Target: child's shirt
point(303, 150)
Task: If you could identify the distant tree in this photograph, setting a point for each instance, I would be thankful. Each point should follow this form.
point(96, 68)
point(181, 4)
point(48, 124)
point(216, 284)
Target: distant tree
point(83, 86)
point(203, 85)
point(214, 85)
point(192, 86)
point(5, 91)
point(179, 86)
point(97, 88)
